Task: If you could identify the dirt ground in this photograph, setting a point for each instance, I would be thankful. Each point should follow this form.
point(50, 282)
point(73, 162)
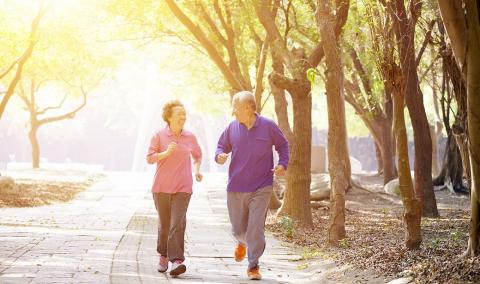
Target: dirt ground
point(375, 236)
point(42, 187)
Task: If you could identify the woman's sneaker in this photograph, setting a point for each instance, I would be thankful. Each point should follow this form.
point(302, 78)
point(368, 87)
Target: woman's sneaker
point(178, 268)
point(162, 264)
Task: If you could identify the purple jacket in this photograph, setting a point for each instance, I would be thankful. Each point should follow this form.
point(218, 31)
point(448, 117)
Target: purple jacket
point(252, 156)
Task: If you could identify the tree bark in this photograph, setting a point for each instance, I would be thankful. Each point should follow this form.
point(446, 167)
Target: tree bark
point(453, 16)
point(377, 119)
point(296, 201)
point(32, 135)
point(433, 134)
point(456, 164)
point(338, 165)
point(297, 193)
point(378, 154)
point(463, 28)
point(388, 155)
point(473, 103)
point(405, 33)
point(451, 173)
point(412, 215)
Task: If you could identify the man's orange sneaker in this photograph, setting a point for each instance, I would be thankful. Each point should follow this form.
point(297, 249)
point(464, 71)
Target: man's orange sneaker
point(254, 273)
point(240, 252)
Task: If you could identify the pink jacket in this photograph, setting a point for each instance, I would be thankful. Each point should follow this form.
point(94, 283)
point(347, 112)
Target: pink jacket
point(174, 173)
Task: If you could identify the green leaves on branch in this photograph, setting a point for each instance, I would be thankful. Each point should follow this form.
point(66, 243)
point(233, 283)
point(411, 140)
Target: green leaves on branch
point(311, 73)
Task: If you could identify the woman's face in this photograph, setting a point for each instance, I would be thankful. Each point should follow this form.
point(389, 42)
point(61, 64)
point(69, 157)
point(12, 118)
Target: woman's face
point(178, 118)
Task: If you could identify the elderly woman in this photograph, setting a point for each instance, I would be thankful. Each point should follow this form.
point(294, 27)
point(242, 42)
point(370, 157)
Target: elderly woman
point(171, 148)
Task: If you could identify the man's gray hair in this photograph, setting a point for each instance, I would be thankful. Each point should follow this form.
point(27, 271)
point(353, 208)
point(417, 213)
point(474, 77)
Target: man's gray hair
point(245, 97)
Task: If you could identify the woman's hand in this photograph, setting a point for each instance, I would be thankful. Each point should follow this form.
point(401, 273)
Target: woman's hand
point(170, 148)
point(198, 176)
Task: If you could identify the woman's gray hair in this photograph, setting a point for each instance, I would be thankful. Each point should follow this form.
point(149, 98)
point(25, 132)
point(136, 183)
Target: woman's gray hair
point(245, 97)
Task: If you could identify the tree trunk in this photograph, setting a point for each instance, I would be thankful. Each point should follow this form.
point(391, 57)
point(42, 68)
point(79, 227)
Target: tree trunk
point(297, 193)
point(473, 103)
point(338, 167)
point(281, 112)
point(451, 174)
point(405, 33)
point(461, 140)
point(412, 215)
point(274, 203)
point(32, 135)
point(378, 154)
point(433, 134)
point(296, 200)
point(388, 155)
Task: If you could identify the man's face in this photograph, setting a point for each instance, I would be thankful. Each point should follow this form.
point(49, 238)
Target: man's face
point(240, 111)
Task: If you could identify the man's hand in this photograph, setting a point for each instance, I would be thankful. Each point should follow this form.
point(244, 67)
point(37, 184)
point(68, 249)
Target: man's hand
point(279, 170)
point(170, 148)
point(222, 158)
point(198, 176)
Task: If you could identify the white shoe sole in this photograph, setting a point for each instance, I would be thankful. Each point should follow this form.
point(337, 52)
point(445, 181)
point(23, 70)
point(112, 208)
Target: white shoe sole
point(178, 270)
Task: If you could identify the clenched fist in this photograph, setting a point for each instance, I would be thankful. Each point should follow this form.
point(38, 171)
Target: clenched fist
point(170, 148)
point(222, 158)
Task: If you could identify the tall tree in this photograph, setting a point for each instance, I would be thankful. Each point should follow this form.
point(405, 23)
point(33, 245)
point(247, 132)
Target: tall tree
point(377, 118)
point(337, 130)
point(38, 115)
point(294, 61)
point(363, 90)
point(392, 77)
point(412, 216)
point(297, 194)
point(68, 63)
point(404, 28)
point(461, 19)
point(456, 162)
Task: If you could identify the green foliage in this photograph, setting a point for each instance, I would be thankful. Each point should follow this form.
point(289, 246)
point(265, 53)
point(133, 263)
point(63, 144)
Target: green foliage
point(456, 235)
point(311, 72)
point(343, 243)
point(310, 253)
point(434, 243)
point(302, 266)
point(287, 225)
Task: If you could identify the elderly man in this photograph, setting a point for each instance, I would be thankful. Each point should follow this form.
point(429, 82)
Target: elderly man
point(250, 176)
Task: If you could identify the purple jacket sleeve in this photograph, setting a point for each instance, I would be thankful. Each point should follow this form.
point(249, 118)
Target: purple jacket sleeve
point(223, 145)
point(281, 145)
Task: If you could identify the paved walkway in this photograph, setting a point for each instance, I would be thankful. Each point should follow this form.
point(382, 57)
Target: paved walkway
point(108, 235)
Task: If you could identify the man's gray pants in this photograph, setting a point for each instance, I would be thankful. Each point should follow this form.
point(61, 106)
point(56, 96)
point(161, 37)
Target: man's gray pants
point(172, 221)
point(247, 212)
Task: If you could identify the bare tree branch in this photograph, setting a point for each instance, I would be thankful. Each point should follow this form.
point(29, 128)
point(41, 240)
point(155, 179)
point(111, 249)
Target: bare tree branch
point(426, 40)
point(68, 115)
point(260, 74)
point(207, 44)
point(9, 68)
point(212, 25)
point(23, 59)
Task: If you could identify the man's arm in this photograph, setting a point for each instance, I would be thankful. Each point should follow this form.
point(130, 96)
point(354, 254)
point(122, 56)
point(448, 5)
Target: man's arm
point(223, 147)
